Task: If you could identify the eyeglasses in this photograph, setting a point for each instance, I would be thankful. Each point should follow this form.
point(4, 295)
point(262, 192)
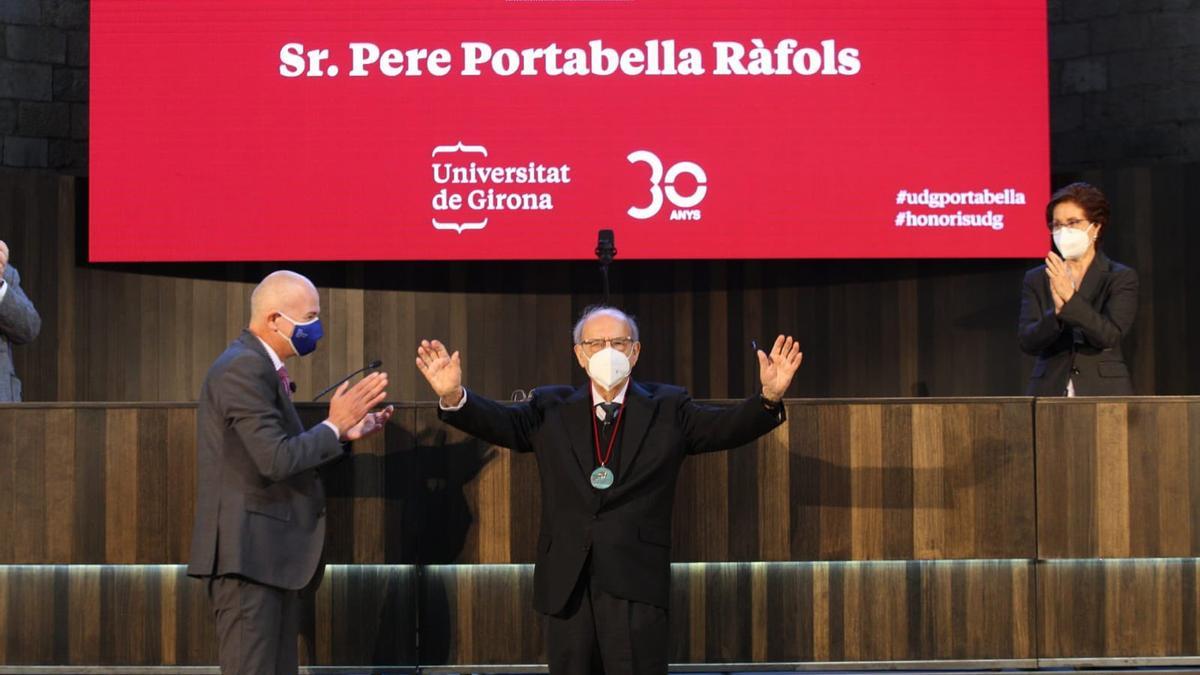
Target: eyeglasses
point(620, 344)
point(1056, 225)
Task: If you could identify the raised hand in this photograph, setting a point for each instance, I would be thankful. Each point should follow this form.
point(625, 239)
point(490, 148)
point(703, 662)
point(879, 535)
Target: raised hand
point(371, 424)
point(1061, 285)
point(350, 405)
point(3, 257)
point(442, 370)
point(776, 371)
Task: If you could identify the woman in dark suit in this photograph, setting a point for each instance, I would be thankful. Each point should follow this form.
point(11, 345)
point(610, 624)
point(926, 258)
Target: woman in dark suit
point(1078, 307)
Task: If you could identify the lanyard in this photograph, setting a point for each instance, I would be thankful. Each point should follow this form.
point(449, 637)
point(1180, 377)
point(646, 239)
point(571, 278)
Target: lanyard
point(612, 441)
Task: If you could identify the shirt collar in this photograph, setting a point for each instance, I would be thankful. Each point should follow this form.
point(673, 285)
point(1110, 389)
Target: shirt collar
point(275, 360)
point(597, 399)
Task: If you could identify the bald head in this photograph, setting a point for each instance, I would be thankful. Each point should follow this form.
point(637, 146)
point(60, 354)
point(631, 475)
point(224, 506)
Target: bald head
point(283, 294)
point(283, 291)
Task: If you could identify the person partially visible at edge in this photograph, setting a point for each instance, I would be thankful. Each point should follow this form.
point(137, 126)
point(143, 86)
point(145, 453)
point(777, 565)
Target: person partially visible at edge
point(19, 324)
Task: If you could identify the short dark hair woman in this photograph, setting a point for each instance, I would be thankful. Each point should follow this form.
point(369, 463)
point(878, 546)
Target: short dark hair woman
point(1078, 307)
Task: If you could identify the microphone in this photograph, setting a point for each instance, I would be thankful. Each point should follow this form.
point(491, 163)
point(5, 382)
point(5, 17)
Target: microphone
point(370, 366)
point(606, 250)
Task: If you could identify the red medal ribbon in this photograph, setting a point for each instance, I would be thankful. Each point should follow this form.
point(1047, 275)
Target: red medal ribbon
point(611, 441)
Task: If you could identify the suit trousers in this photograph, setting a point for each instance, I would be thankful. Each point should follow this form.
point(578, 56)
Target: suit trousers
point(601, 634)
point(258, 626)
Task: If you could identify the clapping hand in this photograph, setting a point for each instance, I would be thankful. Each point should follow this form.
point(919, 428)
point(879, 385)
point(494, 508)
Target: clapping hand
point(442, 370)
point(1061, 285)
point(3, 257)
point(350, 407)
point(370, 424)
point(776, 371)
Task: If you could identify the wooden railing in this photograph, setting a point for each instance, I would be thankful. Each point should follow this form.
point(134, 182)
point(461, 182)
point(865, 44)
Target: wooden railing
point(989, 531)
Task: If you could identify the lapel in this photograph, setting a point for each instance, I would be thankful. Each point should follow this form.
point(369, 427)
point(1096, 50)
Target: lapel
point(1094, 276)
point(283, 398)
point(575, 420)
point(639, 412)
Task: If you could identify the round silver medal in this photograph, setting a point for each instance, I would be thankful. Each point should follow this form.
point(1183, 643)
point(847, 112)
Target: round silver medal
point(602, 478)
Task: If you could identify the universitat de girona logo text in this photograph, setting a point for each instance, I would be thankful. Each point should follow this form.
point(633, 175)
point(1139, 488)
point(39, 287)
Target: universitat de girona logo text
point(480, 199)
point(480, 187)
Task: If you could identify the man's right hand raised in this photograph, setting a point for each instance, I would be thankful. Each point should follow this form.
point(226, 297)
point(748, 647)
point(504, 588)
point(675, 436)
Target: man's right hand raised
point(350, 405)
point(442, 370)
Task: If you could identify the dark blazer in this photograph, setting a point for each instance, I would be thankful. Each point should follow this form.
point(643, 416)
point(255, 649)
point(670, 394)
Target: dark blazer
point(1083, 343)
point(627, 528)
point(260, 505)
point(19, 324)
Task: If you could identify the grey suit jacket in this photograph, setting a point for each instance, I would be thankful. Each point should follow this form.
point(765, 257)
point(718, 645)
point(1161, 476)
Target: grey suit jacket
point(260, 505)
point(19, 323)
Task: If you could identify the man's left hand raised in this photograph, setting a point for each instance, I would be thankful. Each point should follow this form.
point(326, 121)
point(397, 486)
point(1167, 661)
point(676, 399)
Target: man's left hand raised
point(777, 370)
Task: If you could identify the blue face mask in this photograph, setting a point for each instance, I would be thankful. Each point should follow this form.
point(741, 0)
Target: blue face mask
point(304, 336)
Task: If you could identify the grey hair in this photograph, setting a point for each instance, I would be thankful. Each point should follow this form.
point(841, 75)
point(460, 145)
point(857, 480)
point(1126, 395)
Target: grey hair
point(605, 310)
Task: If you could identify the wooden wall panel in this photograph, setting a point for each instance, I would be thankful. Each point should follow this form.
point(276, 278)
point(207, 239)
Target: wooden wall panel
point(839, 481)
point(97, 484)
point(8, 480)
point(1119, 608)
point(139, 615)
point(1118, 478)
point(127, 614)
point(854, 611)
point(871, 479)
point(474, 614)
point(867, 481)
point(769, 612)
point(148, 332)
point(363, 615)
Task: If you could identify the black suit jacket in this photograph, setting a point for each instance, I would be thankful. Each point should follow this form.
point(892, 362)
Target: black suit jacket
point(1083, 343)
point(260, 505)
point(627, 528)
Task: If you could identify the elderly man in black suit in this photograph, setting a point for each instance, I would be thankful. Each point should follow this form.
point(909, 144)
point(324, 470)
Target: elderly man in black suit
point(260, 505)
point(609, 454)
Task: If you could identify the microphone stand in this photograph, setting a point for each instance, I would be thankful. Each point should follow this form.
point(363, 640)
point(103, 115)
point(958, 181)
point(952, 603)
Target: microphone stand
point(606, 250)
point(370, 366)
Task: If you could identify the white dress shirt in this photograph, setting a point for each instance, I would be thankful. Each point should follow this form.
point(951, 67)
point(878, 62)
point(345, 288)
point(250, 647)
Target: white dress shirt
point(278, 363)
point(597, 398)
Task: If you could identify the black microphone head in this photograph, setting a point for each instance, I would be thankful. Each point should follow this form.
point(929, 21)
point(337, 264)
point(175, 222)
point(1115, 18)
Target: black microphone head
point(374, 364)
point(606, 247)
point(292, 386)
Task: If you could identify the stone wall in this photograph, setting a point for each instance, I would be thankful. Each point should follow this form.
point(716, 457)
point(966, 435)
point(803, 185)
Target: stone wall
point(44, 84)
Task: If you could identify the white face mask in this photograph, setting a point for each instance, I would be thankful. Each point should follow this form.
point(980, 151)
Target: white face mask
point(1072, 243)
point(608, 367)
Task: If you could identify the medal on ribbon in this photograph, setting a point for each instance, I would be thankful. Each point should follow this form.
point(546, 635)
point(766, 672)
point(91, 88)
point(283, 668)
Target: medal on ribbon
point(602, 477)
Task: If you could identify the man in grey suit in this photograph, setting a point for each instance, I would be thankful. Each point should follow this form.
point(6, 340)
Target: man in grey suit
point(19, 324)
point(260, 505)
